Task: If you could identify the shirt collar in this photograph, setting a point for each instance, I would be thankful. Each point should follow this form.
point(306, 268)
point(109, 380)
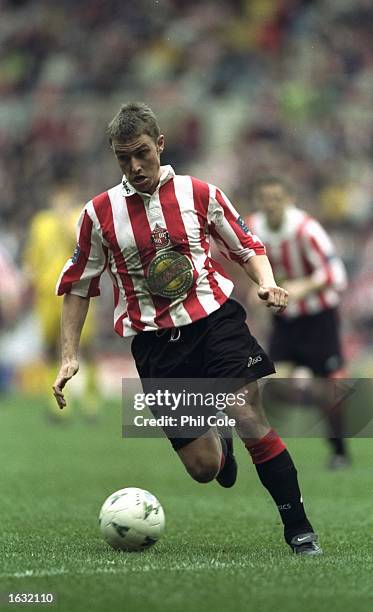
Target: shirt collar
point(167, 173)
point(288, 212)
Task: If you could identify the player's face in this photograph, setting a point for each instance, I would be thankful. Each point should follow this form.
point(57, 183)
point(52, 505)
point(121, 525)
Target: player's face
point(140, 161)
point(273, 200)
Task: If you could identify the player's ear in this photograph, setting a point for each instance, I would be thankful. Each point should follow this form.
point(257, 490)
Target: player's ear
point(160, 143)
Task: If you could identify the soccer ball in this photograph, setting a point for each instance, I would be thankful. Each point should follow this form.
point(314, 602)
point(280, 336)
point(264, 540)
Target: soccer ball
point(131, 519)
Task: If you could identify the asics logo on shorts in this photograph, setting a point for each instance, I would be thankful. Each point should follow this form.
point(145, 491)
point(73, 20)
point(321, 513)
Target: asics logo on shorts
point(254, 360)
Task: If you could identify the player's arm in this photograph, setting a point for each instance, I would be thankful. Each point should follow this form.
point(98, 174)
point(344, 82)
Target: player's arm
point(78, 282)
point(74, 312)
point(301, 288)
point(260, 271)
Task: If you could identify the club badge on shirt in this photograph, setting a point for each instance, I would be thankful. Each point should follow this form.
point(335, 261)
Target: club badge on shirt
point(160, 237)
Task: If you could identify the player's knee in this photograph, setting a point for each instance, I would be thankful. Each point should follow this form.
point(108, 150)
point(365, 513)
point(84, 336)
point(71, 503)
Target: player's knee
point(204, 469)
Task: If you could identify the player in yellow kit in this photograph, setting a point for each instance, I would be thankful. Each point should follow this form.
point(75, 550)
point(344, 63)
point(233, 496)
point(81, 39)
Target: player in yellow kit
point(51, 241)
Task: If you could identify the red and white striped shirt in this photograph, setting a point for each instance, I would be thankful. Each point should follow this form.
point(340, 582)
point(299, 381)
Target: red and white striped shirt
point(301, 248)
point(11, 287)
point(124, 230)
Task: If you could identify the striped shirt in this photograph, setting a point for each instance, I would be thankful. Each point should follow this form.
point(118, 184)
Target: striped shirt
point(11, 287)
point(123, 230)
point(302, 248)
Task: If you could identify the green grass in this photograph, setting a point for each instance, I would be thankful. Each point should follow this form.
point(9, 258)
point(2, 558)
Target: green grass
point(223, 550)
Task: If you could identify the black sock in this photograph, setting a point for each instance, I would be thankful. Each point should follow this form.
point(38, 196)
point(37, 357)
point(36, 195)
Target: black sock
point(338, 445)
point(335, 426)
point(279, 477)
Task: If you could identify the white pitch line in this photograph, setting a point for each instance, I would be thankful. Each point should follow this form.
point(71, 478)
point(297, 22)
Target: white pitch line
point(123, 570)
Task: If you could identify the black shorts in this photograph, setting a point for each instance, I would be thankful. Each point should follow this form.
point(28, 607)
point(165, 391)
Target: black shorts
point(215, 347)
point(312, 341)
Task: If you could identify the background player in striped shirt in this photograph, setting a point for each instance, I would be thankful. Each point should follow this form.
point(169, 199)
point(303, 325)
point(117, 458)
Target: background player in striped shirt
point(304, 261)
point(12, 290)
point(153, 231)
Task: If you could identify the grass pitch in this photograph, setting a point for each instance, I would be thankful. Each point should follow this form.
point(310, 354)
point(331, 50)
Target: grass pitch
point(223, 549)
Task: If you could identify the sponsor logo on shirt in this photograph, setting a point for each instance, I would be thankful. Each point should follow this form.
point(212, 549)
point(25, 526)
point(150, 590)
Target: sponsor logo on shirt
point(170, 274)
point(242, 224)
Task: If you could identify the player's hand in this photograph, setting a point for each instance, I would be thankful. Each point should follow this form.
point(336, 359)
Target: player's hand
point(275, 297)
point(67, 371)
point(297, 289)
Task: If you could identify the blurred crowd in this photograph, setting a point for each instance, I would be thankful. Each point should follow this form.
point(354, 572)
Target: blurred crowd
point(241, 88)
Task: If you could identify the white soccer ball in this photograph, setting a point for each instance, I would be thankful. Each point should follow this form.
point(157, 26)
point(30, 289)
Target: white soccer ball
point(131, 519)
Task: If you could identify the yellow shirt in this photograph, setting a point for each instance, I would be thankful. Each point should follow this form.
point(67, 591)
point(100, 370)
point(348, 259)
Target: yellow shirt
point(51, 242)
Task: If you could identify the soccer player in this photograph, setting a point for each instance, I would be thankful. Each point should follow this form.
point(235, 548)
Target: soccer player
point(50, 241)
point(183, 322)
point(11, 302)
point(304, 262)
